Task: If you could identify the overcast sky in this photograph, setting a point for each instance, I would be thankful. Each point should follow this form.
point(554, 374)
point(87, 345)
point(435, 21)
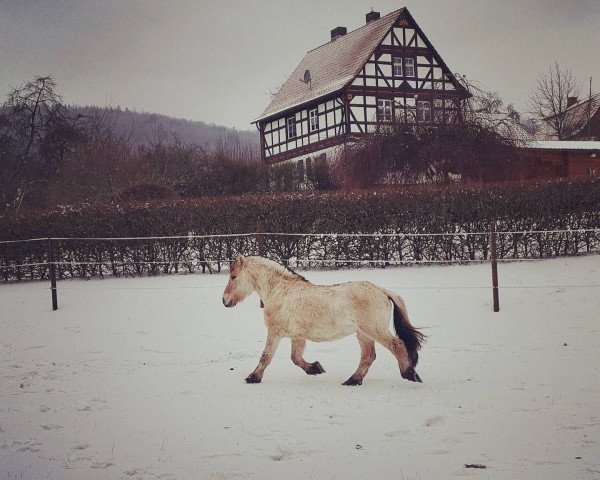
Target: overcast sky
point(218, 60)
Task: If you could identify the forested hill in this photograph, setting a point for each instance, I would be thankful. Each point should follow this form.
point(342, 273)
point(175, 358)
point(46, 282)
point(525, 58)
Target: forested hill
point(143, 128)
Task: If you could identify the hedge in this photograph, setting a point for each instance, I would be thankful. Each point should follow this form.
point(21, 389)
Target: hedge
point(559, 205)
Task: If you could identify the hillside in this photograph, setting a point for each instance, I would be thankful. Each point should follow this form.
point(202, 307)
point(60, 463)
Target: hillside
point(144, 128)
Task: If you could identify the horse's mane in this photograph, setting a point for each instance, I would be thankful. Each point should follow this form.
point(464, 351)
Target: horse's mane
point(295, 273)
point(283, 269)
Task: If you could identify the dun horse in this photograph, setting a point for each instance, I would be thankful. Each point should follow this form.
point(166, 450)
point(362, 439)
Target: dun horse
point(300, 310)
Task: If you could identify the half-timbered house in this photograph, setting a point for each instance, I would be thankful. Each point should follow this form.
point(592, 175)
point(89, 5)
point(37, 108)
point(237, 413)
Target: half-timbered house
point(360, 81)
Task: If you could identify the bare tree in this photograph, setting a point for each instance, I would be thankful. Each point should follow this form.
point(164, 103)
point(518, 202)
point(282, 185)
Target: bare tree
point(99, 167)
point(36, 133)
point(486, 108)
point(548, 101)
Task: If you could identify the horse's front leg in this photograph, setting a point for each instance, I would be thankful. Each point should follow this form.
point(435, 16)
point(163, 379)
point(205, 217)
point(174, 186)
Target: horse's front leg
point(298, 346)
point(265, 358)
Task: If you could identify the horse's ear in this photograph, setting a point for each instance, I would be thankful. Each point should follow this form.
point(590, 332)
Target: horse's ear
point(240, 260)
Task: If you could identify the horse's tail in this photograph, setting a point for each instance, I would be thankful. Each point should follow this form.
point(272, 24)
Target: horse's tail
point(411, 337)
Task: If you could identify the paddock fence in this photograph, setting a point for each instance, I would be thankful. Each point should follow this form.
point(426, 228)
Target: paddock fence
point(31, 259)
point(62, 258)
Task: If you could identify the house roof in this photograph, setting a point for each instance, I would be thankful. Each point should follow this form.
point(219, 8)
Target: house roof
point(335, 64)
point(577, 117)
point(564, 145)
point(504, 124)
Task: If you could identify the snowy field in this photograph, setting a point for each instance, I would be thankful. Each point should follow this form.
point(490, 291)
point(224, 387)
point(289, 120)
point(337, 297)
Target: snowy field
point(143, 379)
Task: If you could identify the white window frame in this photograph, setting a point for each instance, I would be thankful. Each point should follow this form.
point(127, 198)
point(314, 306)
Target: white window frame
point(384, 110)
point(424, 111)
point(313, 120)
point(409, 67)
point(291, 128)
point(397, 69)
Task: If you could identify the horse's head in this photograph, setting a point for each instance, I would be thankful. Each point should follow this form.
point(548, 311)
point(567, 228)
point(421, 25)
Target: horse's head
point(240, 283)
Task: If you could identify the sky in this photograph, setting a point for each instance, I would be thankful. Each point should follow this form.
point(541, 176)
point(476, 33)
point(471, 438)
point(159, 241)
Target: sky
point(218, 61)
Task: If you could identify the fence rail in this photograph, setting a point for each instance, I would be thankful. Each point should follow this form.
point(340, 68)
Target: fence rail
point(58, 258)
point(97, 257)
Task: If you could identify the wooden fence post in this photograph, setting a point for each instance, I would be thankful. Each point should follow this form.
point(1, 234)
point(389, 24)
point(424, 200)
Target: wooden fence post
point(494, 267)
point(260, 241)
point(52, 274)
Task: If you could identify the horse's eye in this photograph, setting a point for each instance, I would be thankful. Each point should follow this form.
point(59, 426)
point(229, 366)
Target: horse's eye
point(233, 277)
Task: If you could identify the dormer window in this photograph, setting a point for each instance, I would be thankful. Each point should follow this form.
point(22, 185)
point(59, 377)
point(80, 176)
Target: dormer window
point(291, 127)
point(409, 67)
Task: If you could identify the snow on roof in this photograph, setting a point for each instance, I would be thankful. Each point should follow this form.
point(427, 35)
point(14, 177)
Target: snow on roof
point(504, 124)
point(576, 116)
point(564, 145)
point(331, 66)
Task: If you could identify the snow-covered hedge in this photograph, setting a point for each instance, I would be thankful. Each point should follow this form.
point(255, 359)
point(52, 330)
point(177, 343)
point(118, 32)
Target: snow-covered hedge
point(564, 205)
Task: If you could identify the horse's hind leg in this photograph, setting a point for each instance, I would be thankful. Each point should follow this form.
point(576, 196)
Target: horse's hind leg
point(298, 346)
point(396, 346)
point(367, 356)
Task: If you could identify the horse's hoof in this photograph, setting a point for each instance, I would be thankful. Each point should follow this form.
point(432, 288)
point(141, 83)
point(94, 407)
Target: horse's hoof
point(252, 379)
point(411, 375)
point(315, 369)
point(353, 381)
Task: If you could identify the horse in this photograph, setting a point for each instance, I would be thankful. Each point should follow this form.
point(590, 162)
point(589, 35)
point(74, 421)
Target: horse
point(300, 310)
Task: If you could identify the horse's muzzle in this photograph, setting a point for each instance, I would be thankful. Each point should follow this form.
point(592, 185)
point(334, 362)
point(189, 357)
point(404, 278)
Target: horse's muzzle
point(229, 303)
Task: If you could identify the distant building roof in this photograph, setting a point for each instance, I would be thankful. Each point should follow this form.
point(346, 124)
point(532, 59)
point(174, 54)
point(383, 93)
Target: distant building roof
point(335, 64)
point(564, 145)
point(504, 124)
point(577, 117)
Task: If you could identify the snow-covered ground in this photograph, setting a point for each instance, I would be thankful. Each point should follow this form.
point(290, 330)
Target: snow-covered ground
point(143, 378)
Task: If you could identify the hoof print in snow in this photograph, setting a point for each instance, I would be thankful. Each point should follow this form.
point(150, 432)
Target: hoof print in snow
point(102, 464)
point(434, 421)
point(51, 426)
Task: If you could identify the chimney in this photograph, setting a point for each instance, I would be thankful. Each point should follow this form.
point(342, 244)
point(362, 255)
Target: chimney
point(372, 16)
point(338, 32)
point(571, 101)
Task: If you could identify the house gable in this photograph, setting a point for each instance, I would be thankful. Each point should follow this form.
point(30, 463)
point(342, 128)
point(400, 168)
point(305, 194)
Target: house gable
point(341, 89)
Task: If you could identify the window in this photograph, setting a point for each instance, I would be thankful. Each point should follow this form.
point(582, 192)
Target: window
point(423, 111)
point(291, 127)
point(397, 66)
point(313, 122)
point(409, 67)
point(384, 110)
